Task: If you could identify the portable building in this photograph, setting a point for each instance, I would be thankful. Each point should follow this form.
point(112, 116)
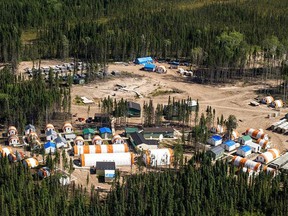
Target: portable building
point(277, 104)
point(67, 128)
point(265, 144)
point(106, 170)
point(161, 69)
point(244, 151)
point(157, 132)
point(216, 152)
point(158, 157)
point(149, 67)
point(43, 172)
point(243, 162)
point(267, 100)
point(50, 147)
point(70, 136)
point(244, 140)
point(88, 132)
point(79, 141)
point(268, 156)
point(18, 156)
point(229, 145)
point(61, 142)
point(29, 129)
point(94, 149)
point(13, 140)
point(51, 135)
point(279, 162)
point(97, 140)
point(30, 163)
point(134, 109)
point(12, 131)
point(215, 140)
point(49, 127)
point(143, 60)
point(105, 132)
point(64, 180)
point(139, 142)
point(120, 159)
point(256, 134)
point(254, 146)
point(4, 152)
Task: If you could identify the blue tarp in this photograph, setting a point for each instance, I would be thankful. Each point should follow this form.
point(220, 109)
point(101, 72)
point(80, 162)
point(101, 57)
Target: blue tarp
point(245, 148)
point(143, 60)
point(149, 67)
point(174, 63)
point(105, 130)
point(216, 137)
point(49, 145)
point(229, 143)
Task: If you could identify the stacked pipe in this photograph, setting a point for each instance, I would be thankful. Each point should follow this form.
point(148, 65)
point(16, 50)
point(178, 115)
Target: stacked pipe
point(256, 134)
point(276, 124)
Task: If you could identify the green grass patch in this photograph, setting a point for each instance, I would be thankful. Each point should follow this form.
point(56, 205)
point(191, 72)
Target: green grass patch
point(165, 92)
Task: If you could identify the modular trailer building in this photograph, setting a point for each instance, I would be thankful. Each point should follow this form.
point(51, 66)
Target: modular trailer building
point(120, 159)
point(216, 152)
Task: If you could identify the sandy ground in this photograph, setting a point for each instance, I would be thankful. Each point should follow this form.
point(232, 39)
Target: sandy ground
point(226, 100)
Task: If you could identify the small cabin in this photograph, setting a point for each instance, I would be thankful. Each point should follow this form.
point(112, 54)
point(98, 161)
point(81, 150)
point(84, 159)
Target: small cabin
point(134, 109)
point(215, 140)
point(216, 152)
point(244, 140)
point(50, 147)
point(51, 135)
point(244, 151)
point(229, 145)
point(61, 142)
point(87, 133)
point(106, 170)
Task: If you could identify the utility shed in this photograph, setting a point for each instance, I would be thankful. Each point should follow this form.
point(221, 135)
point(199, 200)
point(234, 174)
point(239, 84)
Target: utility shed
point(87, 132)
point(280, 162)
point(158, 132)
point(244, 151)
point(215, 140)
point(244, 140)
point(139, 142)
point(134, 109)
point(229, 145)
point(216, 152)
point(106, 170)
point(105, 132)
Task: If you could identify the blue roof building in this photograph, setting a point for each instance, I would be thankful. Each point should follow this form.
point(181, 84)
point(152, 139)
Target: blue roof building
point(143, 60)
point(50, 147)
point(104, 132)
point(215, 140)
point(229, 145)
point(149, 67)
point(244, 151)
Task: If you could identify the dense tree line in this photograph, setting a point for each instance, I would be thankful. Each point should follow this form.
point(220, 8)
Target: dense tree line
point(213, 33)
point(31, 101)
point(197, 188)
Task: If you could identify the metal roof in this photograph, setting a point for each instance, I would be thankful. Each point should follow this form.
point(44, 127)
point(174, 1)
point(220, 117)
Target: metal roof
point(246, 138)
point(158, 130)
point(51, 132)
point(133, 105)
point(105, 130)
point(229, 143)
point(138, 138)
point(149, 66)
point(103, 165)
point(217, 150)
point(143, 60)
point(245, 148)
point(216, 137)
point(29, 126)
point(60, 139)
point(88, 131)
point(282, 160)
point(49, 145)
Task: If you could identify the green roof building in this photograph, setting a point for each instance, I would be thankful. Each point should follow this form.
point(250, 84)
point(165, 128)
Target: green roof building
point(87, 132)
point(129, 130)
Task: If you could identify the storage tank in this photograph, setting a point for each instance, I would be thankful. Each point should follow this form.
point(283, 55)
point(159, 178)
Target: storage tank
point(5, 151)
point(30, 163)
point(158, 157)
point(268, 156)
point(256, 134)
point(117, 139)
point(18, 156)
point(265, 144)
point(243, 162)
point(97, 140)
point(120, 159)
point(95, 149)
point(43, 172)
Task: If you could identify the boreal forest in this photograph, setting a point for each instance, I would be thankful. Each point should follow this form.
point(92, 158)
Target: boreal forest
point(224, 37)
